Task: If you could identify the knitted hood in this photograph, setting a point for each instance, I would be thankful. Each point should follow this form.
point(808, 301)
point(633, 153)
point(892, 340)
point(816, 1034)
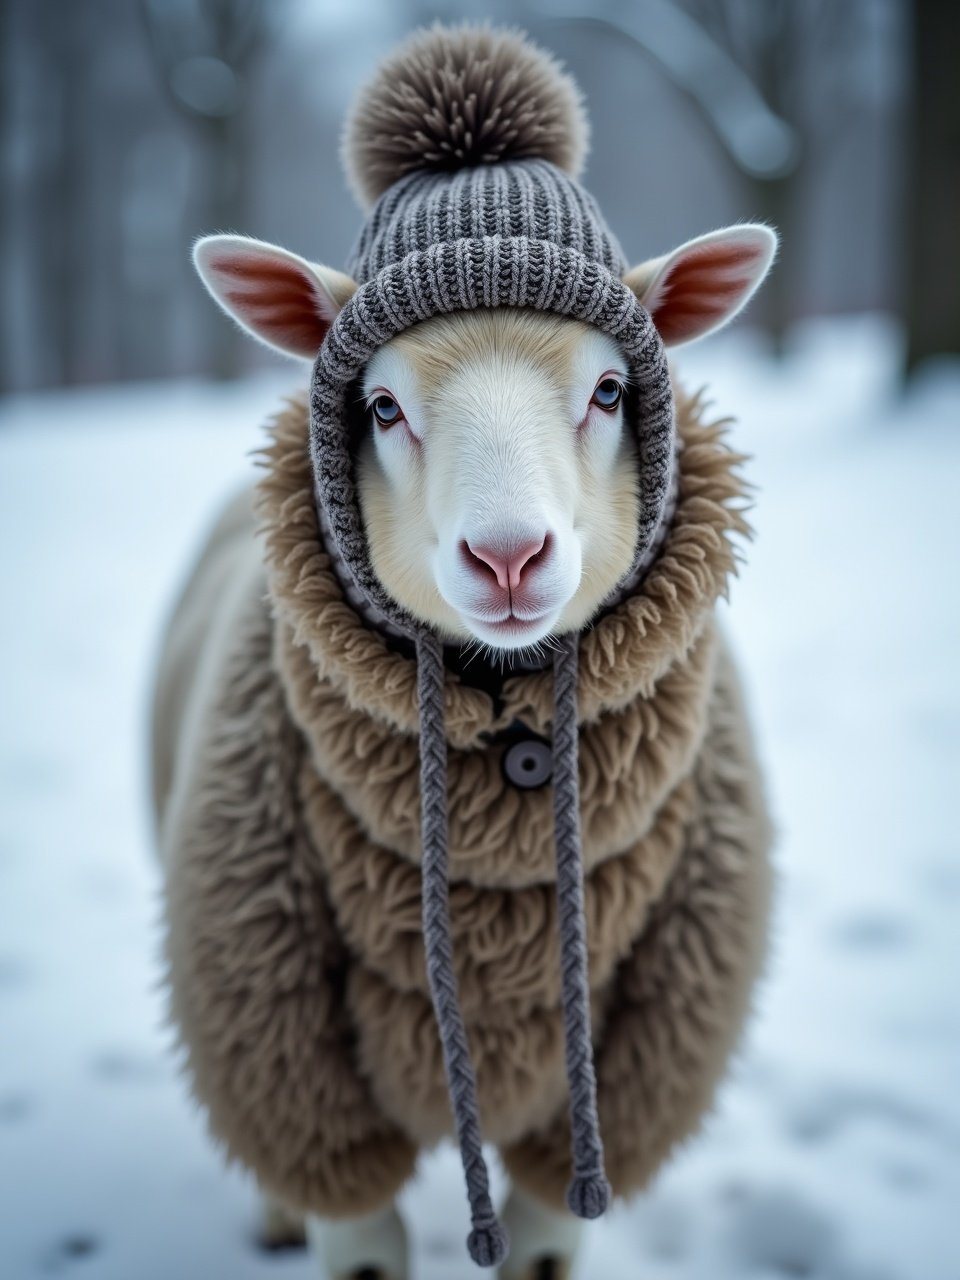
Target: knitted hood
point(468, 142)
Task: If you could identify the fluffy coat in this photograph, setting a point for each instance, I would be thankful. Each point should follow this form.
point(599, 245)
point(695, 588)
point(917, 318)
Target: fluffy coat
point(286, 783)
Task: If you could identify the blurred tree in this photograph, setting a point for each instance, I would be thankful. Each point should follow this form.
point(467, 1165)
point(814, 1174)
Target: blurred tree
point(104, 183)
point(742, 86)
point(774, 80)
point(62, 41)
point(204, 51)
point(932, 285)
point(798, 53)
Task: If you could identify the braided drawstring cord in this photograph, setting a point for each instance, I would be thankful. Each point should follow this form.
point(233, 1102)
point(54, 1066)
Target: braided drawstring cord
point(487, 1241)
point(589, 1192)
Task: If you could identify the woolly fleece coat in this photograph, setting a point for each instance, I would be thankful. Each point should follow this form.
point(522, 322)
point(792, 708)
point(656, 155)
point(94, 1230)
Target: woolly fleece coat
point(286, 791)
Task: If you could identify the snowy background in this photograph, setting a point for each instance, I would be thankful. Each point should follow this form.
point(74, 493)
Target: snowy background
point(835, 1150)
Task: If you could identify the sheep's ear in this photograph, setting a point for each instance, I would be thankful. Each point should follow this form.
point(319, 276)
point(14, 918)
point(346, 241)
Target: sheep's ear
point(703, 284)
point(281, 299)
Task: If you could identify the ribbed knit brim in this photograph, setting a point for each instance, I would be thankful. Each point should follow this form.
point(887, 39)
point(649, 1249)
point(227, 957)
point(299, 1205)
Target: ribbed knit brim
point(529, 200)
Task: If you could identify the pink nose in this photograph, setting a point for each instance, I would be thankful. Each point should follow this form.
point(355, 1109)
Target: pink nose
point(507, 561)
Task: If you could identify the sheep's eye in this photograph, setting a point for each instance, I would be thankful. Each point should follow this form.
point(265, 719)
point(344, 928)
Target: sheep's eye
point(608, 394)
point(386, 411)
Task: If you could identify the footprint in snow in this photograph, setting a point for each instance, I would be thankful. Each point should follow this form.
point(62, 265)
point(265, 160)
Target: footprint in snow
point(14, 1107)
point(119, 1066)
point(819, 1115)
point(14, 973)
point(74, 1249)
point(776, 1233)
point(941, 879)
point(873, 932)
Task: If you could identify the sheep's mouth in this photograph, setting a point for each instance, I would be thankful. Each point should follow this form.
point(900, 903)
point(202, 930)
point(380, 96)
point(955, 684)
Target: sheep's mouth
point(511, 631)
point(514, 623)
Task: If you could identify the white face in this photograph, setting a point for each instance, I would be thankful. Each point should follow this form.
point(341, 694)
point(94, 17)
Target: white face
point(497, 482)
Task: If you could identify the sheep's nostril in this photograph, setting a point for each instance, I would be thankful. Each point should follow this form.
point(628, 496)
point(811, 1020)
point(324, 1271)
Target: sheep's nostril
point(477, 563)
point(509, 561)
point(538, 557)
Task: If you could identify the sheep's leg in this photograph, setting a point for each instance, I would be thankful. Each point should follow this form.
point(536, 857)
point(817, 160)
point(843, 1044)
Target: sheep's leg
point(681, 996)
point(371, 1247)
point(543, 1241)
point(280, 1227)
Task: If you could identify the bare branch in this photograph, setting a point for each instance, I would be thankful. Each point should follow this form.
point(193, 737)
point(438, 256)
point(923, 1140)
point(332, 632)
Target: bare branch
point(760, 142)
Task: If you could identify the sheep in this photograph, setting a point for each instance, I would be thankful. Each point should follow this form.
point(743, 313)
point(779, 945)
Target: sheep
point(358, 737)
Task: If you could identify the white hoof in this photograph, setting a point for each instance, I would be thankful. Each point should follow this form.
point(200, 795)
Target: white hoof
point(543, 1243)
point(373, 1247)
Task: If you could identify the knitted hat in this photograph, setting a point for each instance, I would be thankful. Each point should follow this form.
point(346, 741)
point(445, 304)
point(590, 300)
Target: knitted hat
point(468, 143)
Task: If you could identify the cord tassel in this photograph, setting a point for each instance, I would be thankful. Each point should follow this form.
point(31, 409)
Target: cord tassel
point(487, 1242)
point(588, 1195)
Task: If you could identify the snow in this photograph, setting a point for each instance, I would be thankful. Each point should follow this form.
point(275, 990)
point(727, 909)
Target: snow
point(834, 1152)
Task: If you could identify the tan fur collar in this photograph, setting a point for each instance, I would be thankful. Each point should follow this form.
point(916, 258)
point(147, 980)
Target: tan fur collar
point(622, 655)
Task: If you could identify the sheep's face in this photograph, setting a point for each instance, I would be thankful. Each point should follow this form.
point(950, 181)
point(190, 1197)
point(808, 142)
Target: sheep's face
point(497, 482)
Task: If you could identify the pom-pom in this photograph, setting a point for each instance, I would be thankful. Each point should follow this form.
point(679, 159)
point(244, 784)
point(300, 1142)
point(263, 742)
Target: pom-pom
point(488, 1245)
point(589, 1197)
point(454, 97)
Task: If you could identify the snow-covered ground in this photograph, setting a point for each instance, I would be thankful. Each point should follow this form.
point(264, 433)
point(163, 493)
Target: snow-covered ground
point(835, 1150)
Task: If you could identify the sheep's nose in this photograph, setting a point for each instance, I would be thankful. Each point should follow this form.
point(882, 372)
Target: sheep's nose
point(508, 561)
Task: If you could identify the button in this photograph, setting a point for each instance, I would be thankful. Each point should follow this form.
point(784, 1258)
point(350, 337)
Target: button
point(528, 764)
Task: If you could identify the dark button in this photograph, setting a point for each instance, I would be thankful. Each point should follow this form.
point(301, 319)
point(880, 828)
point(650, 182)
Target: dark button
point(528, 763)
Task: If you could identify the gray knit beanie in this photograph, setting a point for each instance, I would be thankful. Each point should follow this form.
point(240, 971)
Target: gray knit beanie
point(468, 143)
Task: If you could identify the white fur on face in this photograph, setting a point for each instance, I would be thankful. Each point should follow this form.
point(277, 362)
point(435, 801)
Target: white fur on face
point(503, 507)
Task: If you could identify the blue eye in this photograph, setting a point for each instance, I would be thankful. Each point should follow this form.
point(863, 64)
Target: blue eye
point(608, 394)
point(386, 411)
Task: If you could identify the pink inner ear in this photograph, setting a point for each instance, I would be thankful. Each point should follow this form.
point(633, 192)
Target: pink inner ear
point(702, 288)
point(276, 299)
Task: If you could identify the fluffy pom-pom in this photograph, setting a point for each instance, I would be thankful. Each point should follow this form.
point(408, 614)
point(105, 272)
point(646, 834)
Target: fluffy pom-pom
point(453, 97)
